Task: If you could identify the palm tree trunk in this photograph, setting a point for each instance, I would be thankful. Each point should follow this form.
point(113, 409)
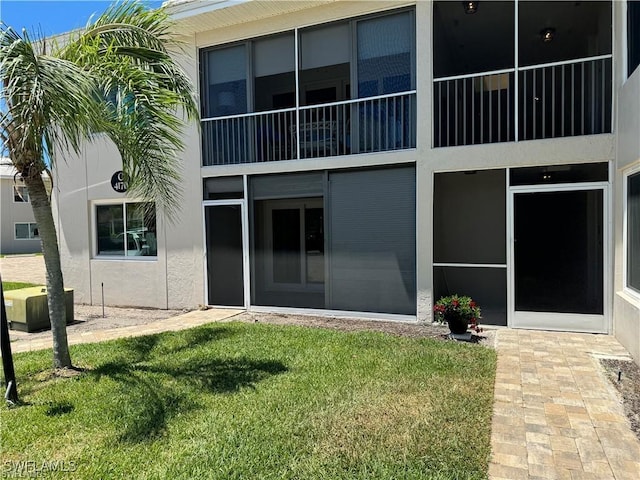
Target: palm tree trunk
point(55, 285)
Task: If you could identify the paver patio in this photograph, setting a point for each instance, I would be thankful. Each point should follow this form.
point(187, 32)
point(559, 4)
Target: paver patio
point(555, 415)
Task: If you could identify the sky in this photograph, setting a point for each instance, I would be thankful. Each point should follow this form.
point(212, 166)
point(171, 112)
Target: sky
point(53, 16)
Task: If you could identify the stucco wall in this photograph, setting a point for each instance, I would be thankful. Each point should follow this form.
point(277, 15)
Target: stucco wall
point(133, 281)
point(626, 314)
point(11, 213)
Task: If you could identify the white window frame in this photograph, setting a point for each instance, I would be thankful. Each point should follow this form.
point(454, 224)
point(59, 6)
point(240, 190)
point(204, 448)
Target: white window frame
point(24, 195)
point(94, 231)
point(635, 170)
point(30, 237)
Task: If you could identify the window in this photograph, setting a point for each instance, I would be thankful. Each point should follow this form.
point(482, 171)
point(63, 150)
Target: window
point(633, 35)
point(126, 230)
point(20, 194)
point(633, 232)
point(26, 231)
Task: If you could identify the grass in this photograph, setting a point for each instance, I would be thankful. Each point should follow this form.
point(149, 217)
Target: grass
point(6, 286)
point(239, 400)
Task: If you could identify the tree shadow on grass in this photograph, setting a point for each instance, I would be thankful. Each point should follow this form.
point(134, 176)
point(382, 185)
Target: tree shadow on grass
point(140, 349)
point(151, 394)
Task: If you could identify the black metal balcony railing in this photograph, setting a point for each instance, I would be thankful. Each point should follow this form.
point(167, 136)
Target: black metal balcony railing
point(341, 128)
point(553, 100)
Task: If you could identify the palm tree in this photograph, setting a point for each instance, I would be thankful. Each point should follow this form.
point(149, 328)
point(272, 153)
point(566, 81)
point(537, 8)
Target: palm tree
point(117, 76)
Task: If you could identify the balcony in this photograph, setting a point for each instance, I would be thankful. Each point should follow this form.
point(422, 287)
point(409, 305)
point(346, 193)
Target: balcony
point(373, 124)
point(521, 70)
point(554, 100)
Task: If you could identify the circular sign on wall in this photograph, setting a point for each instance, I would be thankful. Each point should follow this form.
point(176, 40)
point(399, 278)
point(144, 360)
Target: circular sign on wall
point(118, 183)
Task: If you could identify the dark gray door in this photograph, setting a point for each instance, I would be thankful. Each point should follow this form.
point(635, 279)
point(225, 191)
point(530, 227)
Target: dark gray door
point(225, 272)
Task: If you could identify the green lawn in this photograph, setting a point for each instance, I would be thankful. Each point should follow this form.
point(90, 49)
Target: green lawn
point(6, 286)
point(257, 401)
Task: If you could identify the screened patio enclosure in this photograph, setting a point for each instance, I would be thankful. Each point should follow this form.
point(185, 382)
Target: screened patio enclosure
point(528, 244)
point(548, 74)
point(351, 89)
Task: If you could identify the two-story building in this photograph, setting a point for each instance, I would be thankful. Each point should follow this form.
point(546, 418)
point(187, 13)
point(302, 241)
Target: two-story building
point(364, 158)
point(18, 228)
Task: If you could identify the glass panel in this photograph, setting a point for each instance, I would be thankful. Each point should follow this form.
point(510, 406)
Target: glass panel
point(633, 232)
point(225, 277)
point(33, 230)
point(286, 245)
point(461, 41)
point(22, 230)
point(558, 250)
point(487, 286)
point(573, 30)
point(274, 65)
point(633, 35)
point(470, 217)
point(110, 228)
point(223, 188)
point(287, 238)
point(551, 174)
point(385, 46)
point(141, 230)
point(225, 81)
point(314, 244)
point(20, 194)
point(324, 64)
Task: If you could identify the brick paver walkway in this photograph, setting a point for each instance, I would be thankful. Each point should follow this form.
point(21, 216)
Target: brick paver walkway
point(555, 415)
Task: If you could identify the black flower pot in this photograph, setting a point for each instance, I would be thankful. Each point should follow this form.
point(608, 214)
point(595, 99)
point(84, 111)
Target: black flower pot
point(457, 324)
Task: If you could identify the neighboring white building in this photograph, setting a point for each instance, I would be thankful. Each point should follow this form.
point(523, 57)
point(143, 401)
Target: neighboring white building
point(18, 229)
point(367, 157)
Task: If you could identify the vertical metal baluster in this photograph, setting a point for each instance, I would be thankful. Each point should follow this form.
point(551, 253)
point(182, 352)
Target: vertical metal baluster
point(509, 107)
point(553, 102)
point(482, 110)
point(499, 111)
point(491, 110)
point(524, 105)
point(602, 97)
point(533, 107)
point(464, 111)
point(593, 97)
point(455, 114)
point(543, 99)
point(573, 99)
point(582, 102)
point(409, 128)
point(387, 124)
point(473, 110)
point(448, 114)
point(439, 144)
point(562, 93)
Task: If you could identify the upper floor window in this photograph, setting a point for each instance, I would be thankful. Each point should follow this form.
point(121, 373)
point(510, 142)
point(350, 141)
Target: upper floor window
point(20, 194)
point(126, 229)
point(548, 32)
point(357, 58)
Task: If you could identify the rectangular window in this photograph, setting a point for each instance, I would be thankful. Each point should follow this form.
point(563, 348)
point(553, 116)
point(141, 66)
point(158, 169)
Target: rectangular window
point(26, 231)
point(126, 230)
point(633, 35)
point(20, 194)
point(633, 232)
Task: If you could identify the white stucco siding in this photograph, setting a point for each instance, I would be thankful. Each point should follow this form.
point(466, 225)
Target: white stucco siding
point(626, 307)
